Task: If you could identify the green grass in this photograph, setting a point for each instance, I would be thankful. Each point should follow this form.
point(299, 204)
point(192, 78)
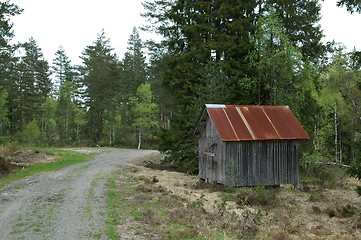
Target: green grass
point(114, 206)
point(65, 158)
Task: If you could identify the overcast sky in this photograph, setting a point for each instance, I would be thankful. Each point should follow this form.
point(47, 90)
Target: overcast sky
point(74, 24)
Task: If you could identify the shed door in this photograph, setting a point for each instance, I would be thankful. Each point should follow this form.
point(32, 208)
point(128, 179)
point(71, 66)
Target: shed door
point(210, 163)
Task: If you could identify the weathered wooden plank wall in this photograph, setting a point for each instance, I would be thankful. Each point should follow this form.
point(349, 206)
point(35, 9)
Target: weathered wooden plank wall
point(250, 163)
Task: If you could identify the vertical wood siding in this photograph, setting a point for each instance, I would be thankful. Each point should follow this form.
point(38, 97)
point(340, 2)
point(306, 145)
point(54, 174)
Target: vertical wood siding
point(247, 163)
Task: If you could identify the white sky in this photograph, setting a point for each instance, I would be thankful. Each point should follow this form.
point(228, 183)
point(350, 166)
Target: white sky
point(74, 24)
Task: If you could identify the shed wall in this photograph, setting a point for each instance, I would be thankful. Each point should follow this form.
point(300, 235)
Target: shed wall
point(250, 163)
point(211, 154)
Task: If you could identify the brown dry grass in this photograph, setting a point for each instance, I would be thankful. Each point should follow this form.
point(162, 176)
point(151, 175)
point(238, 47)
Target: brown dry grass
point(318, 213)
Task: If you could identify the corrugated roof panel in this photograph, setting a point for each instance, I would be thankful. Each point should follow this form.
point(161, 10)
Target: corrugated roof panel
point(238, 124)
point(222, 124)
point(251, 122)
point(285, 122)
point(259, 122)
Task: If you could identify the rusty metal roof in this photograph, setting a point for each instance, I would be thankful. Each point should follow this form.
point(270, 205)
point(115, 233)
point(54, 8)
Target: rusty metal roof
point(252, 122)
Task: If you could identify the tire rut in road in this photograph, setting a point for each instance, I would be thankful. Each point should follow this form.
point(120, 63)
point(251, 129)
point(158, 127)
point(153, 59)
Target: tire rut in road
point(67, 204)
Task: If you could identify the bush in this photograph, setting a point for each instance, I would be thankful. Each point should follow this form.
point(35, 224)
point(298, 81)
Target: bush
point(258, 195)
point(4, 165)
point(31, 134)
point(323, 174)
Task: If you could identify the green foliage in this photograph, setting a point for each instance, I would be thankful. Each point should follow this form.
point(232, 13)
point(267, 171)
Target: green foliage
point(101, 77)
point(258, 195)
point(351, 5)
point(31, 134)
point(3, 114)
point(4, 165)
point(145, 113)
point(300, 20)
point(355, 169)
point(322, 174)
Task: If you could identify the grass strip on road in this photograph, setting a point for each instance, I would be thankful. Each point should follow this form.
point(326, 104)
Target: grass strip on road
point(64, 159)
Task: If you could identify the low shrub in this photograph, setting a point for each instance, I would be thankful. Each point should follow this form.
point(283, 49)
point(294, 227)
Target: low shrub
point(323, 174)
point(4, 165)
point(258, 195)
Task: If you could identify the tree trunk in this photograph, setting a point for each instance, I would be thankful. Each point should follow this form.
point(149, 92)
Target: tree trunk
point(336, 140)
point(139, 139)
point(67, 125)
point(100, 126)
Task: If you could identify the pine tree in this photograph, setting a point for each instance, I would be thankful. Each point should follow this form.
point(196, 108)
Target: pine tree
point(102, 81)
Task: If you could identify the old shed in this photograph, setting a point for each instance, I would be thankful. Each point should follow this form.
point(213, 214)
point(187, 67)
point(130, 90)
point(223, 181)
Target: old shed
point(247, 145)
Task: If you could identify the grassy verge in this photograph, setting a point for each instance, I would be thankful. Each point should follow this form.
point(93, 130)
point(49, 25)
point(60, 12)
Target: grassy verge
point(139, 209)
point(64, 159)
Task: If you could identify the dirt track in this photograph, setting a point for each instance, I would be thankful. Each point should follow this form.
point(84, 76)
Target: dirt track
point(67, 204)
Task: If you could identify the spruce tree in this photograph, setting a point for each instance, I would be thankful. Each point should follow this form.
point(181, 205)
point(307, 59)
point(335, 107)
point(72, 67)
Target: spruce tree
point(65, 77)
point(351, 5)
point(133, 74)
point(32, 85)
point(7, 65)
point(202, 37)
point(300, 20)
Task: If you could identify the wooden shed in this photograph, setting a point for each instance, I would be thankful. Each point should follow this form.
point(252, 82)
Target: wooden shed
point(248, 145)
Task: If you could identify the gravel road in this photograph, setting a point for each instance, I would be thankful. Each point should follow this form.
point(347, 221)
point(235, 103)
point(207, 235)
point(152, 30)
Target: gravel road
point(67, 204)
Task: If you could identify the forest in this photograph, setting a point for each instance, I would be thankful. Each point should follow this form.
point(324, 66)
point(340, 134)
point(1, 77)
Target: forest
point(265, 52)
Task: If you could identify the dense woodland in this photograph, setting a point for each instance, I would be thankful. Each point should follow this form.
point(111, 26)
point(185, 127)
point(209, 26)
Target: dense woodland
point(232, 52)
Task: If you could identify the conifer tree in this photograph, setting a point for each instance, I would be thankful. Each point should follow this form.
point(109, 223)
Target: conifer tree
point(32, 84)
point(7, 63)
point(133, 74)
point(300, 20)
point(66, 93)
point(201, 37)
point(102, 81)
point(351, 5)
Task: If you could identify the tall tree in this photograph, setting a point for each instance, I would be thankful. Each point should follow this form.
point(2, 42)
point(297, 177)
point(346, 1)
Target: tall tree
point(32, 85)
point(65, 77)
point(7, 10)
point(7, 59)
point(145, 113)
point(301, 24)
point(134, 68)
point(156, 72)
point(133, 74)
point(102, 81)
point(201, 37)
